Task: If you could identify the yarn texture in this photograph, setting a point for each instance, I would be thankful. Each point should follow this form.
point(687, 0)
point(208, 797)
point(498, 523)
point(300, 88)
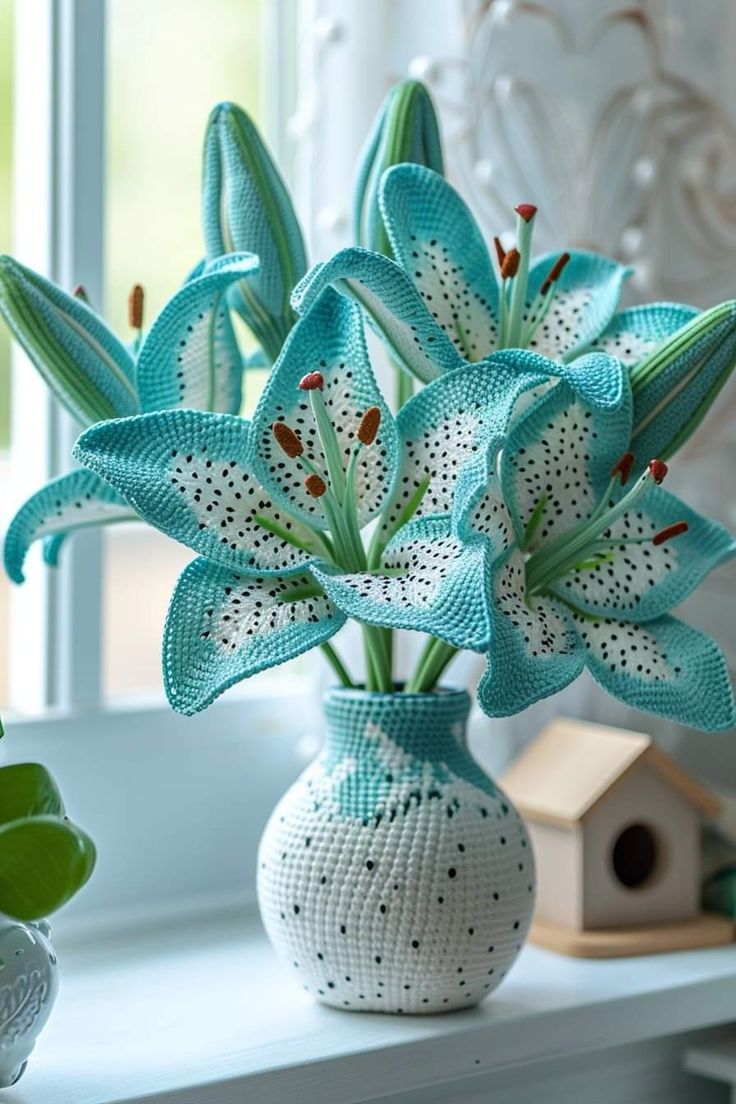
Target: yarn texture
point(394, 876)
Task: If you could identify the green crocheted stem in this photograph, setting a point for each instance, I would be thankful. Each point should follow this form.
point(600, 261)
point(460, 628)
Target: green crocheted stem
point(337, 665)
point(433, 661)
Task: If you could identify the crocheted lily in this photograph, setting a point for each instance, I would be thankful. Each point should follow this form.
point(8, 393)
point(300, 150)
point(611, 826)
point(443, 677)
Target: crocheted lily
point(576, 563)
point(273, 506)
point(439, 303)
point(189, 358)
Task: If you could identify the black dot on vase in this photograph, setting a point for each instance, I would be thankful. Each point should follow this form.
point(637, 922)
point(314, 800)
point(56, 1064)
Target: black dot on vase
point(491, 949)
point(382, 909)
point(297, 910)
point(461, 847)
point(452, 872)
point(320, 956)
point(495, 896)
point(516, 925)
point(471, 931)
point(440, 900)
point(343, 929)
point(407, 986)
point(369, 864)
point(378, 959)
point(415, 943)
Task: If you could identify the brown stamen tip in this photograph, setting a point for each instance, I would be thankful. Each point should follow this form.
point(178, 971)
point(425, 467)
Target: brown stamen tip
point(500, 251)
point(313, 381)
point(510, 265)
point(135, 307)
point(555, 272)
point(315, 485)
point(369, 424)
point(287, 439)
point(658, 468)
point(670, 532)
point(80, 292)
point(623, 468)
point(527, 211)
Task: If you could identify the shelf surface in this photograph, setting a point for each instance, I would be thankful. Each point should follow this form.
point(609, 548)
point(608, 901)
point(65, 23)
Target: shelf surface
point(204, 1012)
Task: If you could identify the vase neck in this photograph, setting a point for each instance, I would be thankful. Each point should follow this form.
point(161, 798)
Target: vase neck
point(402, 735)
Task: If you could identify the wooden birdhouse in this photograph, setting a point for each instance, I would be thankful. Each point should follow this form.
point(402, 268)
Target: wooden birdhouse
point(616, 828)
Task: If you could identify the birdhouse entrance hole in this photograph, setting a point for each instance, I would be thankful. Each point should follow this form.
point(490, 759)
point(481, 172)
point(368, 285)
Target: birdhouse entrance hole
point(635, 856)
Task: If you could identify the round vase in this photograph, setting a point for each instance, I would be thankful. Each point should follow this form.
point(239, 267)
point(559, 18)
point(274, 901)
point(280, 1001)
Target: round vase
point(394, 875)
point(29, 981)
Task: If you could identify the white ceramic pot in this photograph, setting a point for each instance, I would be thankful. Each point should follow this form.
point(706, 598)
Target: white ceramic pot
point(29, 981)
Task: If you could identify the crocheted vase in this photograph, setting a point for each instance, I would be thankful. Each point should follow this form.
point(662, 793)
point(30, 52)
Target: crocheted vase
point(394, 875)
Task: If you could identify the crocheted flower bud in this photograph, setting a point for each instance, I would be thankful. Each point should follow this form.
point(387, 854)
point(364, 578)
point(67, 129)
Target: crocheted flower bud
point(88, 368)
point(247, 209)
point(676, 383)
point(406, 129)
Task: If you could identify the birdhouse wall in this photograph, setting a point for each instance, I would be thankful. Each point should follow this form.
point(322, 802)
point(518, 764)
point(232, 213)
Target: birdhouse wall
point(558, 854)
point(666, 843)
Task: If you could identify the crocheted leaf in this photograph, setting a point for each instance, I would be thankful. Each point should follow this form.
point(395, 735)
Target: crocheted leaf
point(330, 340)
point(534, 649)
point(405, 129)
point(74, 501)
point(449, 427)
point(432, 583)
point(643, 581)
point(437, 242)
point(585, 298)
point(44, 861)
point(190, 474)
point(394, 307)
point(27, 789)
point(84, 364)
point(558, 460)
point(676, 385)
point(246, 208)
point(190, 357)
point(223, 627)
point(662, 667)
point(633, 333)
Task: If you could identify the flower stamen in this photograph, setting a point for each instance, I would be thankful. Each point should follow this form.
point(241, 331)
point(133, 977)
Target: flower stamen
point(561, 554)
point(670, 532)
point(287, 439)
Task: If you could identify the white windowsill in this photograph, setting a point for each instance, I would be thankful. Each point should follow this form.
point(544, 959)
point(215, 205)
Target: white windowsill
point(203, 1012)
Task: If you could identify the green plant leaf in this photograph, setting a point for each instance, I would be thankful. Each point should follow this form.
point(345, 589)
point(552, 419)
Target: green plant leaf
point(28, 790)
point(44, 861)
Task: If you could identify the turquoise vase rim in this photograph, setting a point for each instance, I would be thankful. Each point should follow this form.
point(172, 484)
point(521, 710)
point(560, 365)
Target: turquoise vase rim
point(357, 693)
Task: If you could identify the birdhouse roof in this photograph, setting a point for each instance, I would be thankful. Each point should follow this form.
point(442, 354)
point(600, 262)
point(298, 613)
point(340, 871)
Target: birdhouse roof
point(572, 765)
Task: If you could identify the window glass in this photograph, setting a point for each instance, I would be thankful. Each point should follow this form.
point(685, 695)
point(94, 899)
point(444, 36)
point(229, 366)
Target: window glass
point(6, 124)
point(168, 64)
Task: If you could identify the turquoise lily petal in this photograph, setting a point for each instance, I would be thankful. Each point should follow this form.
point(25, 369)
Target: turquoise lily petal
point(449, 427)
point(664, 667)
point(406, 129)
point(437, 241)
point(190, 357)
point(74, 501)
point(89, 370)
point(558, 460)
point(535, 651)
point(247, 209)
point(431, 583)
point(190, 474)
point(329, 340)
point(633, 333)
point(394, 307)
point(223, 627)
point(644, 581)
point(585, 299)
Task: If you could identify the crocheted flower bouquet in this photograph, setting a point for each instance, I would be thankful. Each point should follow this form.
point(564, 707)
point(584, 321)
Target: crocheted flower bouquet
point(509, 501)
